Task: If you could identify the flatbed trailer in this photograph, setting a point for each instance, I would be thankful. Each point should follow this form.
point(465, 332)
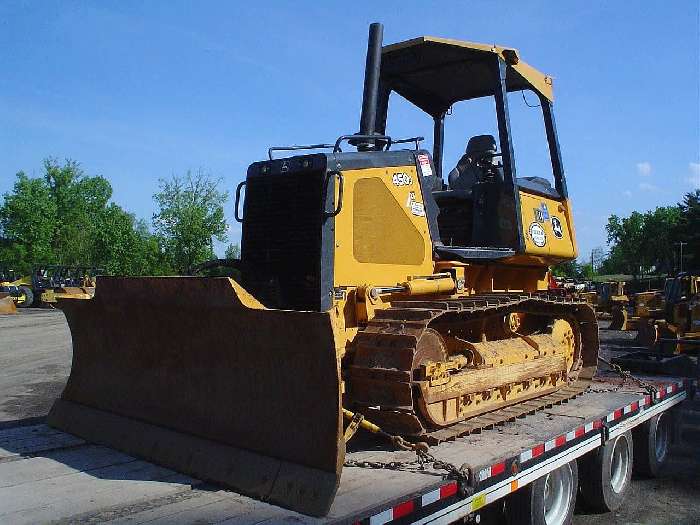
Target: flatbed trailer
point(47, 475)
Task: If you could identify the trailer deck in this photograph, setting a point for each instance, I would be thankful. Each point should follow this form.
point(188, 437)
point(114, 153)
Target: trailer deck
point(47, 475)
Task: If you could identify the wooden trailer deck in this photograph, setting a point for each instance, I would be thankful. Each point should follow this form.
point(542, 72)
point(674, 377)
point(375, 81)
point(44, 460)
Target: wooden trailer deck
point(47, 475)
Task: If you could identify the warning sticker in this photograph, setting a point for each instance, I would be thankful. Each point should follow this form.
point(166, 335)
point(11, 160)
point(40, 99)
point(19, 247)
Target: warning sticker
point(537, 234)
point(417, 209)
point(424, 163)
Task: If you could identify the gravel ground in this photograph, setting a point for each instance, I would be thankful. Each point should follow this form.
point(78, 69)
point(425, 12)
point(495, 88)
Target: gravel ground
point(35, 356)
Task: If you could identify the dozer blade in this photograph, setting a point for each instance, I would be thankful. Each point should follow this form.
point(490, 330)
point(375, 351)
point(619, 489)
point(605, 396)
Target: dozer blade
point(194, 374)
point(7, 305)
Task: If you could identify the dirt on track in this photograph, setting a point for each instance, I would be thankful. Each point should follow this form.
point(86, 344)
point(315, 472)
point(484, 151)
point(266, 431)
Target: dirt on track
point(35, 359)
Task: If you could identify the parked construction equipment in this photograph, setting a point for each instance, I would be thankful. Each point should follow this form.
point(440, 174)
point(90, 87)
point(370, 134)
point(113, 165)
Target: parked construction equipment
point(54, 282)
point(642, 306)
point(679, 329)
point(367, 283)
point(612, 300)
point(48, 283)
point(15, 287)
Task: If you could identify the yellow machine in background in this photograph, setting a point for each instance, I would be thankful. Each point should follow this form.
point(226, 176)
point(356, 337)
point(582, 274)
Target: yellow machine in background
point(642, 306)
point(15, 291)
point(369, 285)
point(613, 300)
point(679, 328)
point(53, 282)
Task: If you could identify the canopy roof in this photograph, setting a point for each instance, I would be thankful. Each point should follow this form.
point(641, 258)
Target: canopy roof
point(433, 73)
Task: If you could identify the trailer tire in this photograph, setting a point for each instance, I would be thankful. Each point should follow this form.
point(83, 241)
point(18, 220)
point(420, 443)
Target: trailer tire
point(28, 297)
point(549, 500)
point(651, 442)
point(606, 474)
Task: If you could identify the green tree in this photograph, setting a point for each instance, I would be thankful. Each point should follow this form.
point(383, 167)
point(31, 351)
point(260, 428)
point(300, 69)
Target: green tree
point(27, 223)
point(124, 246)
point(659, 233)
point(566, 269)
point(190, 216)
point(80, 201)
point(643, 242)
point(625, 235)
point(689, 230)
point(233, 251)
point(586, 271)
point(65, 217)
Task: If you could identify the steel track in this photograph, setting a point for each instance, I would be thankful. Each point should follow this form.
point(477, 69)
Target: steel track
point(384, 350)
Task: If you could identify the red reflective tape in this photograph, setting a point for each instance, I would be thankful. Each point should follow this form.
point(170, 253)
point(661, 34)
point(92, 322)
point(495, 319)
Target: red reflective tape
point(648, 400)
point(500, 468)
point(597, 424)
point(580, 431)
point(558, 442)
point(448, 490)
point(635, 406)
point(537, 451)
point(617, 414)
point(674, 388)
point(403, 509)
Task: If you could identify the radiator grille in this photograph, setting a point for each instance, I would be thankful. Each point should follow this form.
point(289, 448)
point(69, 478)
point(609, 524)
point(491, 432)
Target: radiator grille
point(281, 241)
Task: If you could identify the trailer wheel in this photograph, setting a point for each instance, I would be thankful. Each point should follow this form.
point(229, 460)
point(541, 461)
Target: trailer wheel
point(651, 441)
point(28, 297)
point(606, 473)
point(549, 500)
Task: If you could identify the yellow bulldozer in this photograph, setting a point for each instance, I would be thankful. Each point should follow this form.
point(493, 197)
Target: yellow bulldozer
point(678, 329)
point(368, 285)
point(643, 307)
point(612, 301)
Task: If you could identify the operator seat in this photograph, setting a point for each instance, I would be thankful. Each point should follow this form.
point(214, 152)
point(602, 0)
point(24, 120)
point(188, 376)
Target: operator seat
point(467, 171)
point(455, 219)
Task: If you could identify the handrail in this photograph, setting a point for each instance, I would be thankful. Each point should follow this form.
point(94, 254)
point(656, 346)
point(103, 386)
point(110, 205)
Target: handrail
point(356, 138)
point(238, 201)
point(294, 148)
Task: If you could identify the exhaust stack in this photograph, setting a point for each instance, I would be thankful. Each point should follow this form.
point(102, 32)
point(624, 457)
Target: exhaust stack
point(370, 94)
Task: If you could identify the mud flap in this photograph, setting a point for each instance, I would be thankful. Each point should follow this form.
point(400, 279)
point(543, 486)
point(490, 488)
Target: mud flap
point(192, 374)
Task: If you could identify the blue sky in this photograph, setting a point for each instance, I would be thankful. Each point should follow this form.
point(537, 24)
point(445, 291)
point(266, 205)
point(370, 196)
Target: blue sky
point(139, 91)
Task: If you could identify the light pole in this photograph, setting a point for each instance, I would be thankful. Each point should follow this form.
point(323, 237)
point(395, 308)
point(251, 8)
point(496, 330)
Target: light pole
point(681, 244)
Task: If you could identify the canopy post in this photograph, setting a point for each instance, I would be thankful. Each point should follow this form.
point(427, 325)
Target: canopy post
point(554, 148)
point(506, 145)
point(438, 142)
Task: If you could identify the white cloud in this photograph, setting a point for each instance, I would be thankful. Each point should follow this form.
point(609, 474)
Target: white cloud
point(644, 168)
point(694, 179)
point(645, 186)
point(627, 193)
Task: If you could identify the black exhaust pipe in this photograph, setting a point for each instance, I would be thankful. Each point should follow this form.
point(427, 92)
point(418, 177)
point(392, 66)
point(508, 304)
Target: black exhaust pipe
point(370, 95)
